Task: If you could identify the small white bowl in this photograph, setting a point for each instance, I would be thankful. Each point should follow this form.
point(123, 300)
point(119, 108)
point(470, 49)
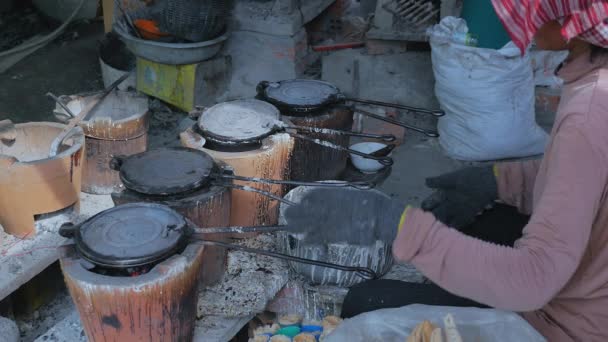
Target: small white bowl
point(366, 165)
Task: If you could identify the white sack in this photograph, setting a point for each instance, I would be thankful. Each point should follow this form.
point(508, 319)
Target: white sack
point(488, 96)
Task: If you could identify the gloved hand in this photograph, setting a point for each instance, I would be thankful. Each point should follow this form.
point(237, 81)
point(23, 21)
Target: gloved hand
point(461, 195)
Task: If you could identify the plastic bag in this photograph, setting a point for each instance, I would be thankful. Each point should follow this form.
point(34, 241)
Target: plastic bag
point(488, 97)
point(479, 325)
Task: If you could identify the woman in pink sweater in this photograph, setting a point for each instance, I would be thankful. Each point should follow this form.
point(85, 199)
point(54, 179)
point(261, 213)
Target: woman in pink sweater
point(556, 274)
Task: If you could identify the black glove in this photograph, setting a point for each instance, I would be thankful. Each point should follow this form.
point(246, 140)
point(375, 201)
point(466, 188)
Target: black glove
point(461, 195)
point(359, 217)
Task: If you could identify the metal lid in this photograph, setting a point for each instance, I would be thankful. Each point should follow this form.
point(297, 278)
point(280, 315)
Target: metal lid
point(240, 120)
point(132, 235)
point(299, 95)
point(166, 171)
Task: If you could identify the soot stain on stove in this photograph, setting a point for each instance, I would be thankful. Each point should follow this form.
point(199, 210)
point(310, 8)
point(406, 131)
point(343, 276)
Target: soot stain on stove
point(112, 321)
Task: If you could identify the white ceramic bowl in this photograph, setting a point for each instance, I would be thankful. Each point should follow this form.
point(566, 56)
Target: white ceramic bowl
point(364, 164)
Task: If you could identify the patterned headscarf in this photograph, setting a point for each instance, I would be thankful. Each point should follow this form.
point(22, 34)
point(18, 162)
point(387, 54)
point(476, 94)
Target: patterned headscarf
point(585, 19)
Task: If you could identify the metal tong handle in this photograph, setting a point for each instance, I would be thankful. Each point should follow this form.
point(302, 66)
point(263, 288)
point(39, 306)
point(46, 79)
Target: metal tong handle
point(437, 113)
point(200, 233)
point(361, 185)
point(431, 134)
point(363, 272)
point(386, 161)
point(383, 137)
point(261, 192)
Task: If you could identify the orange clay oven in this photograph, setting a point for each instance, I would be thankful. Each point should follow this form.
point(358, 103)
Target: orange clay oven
point(31, 183)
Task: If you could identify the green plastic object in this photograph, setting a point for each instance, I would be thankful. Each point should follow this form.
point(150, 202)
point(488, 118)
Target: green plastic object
point(291, 332)
point(484, 24)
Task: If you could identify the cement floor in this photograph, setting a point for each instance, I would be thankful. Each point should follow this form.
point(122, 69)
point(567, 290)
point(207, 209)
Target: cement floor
point(67, 65)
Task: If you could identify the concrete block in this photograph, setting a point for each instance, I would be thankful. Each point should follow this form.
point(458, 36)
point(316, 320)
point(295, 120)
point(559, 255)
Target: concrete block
point(263, 57)
point(275, 17)
point(385, 47)
point(262, 17)
point(404, 78)
point(9, 330)
point(311, 9)
point(366, 124)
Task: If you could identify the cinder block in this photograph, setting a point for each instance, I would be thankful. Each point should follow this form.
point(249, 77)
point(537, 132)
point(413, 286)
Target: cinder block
point(367, 124)
point(262, 57)
point(385, 47)
point(281, 17)
point(403, 78)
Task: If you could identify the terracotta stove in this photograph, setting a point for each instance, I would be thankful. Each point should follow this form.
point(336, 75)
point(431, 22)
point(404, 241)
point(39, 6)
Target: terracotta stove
point(118, 126)
point(266, 157)
point(132, 275)
point(166, 176)
point(302, 102)
point(34, 186)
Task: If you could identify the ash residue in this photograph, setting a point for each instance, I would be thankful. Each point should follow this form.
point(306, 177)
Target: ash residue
point(344, 215)
point(249, 283)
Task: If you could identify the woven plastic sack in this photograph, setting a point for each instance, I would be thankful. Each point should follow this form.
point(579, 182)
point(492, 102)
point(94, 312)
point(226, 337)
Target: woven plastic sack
point(487, 95)
point(479, 325)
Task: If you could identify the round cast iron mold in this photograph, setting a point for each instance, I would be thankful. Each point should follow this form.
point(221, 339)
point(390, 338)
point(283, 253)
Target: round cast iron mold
point(260, 115)
point(131, 235)
point(166, 171)
point(300, 95)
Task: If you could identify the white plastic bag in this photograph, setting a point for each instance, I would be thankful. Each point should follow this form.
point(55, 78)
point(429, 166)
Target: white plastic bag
point(488, 97)
point(479, 325)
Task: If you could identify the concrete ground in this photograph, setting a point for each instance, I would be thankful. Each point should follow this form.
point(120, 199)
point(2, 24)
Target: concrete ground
point(67, 65)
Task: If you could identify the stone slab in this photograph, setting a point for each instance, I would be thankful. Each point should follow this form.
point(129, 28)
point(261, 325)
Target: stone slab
point(23, 259)
point(263, 57)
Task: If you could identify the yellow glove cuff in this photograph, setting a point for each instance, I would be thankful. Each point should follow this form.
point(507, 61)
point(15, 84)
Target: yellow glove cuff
point(495, 169)
point(402, 221)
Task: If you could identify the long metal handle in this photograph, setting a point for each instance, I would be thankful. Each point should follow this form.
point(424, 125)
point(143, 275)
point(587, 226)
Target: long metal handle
point(327, 184)
point(383, 137)
point(386, 161)
point(83, 115)
point(261, 192)
point(200, 233)
point(431, 134)
point(363, 272)
point(437, 113)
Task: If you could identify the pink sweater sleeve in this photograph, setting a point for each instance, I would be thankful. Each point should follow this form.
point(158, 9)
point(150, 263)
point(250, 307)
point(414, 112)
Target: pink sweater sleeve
point(528, 276)
point(516, 183)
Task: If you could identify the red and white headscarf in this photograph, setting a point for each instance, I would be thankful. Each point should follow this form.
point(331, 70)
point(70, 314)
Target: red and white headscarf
point(585, 19)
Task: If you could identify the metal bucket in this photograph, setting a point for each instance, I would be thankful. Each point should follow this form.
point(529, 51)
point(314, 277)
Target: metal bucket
point(361, 238)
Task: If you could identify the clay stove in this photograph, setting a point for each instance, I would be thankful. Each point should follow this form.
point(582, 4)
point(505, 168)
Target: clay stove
point(35, 186)
point(302, 103)
point(175, 177)
point(118, 126)
point(132, 276)
point(264, 158)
